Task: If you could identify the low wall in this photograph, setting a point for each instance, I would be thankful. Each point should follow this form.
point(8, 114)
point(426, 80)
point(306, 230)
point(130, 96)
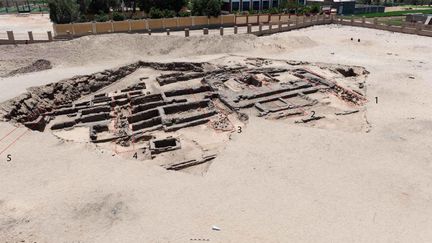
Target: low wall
point(262, 18)
point(143, 25)
point(157, 25)
point(21, 42)
point(304, 22)
point(418, 29)
point(12, 41)
point(264, 28)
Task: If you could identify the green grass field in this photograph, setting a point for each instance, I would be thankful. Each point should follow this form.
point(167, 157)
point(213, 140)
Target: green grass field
point(396, 13)
point(414, 6)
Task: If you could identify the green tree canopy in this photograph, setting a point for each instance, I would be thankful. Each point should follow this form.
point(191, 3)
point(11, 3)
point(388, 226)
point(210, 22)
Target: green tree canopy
point(206, 7)
point(98, 6)
point(63, 11)
point(174, 5)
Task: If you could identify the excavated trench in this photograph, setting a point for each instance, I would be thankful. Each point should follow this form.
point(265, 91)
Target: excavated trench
point(58, 96)
point(39, 100)
point(186, 94)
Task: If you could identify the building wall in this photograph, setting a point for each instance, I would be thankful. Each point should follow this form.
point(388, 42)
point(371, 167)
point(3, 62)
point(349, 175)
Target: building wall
point(359, 9)
point(344, 8)
point(246, 5)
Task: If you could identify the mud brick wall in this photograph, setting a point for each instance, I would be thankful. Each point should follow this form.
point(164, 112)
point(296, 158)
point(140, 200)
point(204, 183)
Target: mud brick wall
point(48, 98)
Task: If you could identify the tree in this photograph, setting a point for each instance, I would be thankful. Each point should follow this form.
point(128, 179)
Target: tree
point(145, 5)
point(174, 5)
point(97, 6)
point(83, 5)
point(63, 11)
point(114, 4)
point(315, 8)
point(206, 7)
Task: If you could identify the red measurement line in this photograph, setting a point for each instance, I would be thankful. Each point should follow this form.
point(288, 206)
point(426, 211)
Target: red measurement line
point(14, 141)
point(13, 130)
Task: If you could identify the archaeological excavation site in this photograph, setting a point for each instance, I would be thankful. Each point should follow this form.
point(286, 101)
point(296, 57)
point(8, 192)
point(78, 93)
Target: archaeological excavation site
point(181, 114)
point(318, 129)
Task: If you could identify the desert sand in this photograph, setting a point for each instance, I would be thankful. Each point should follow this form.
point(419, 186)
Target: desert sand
point(39, 24)
point(274, 182)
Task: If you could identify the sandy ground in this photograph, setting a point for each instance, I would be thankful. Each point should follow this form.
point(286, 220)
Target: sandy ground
point(21, 24)
point(275, 182)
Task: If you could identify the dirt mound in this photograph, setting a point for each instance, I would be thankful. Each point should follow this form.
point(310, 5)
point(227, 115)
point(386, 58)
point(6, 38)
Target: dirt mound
point(127, 48)
point(38, 65)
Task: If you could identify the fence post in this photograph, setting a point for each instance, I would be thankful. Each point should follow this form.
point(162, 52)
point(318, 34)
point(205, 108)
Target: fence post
point(130, 25)
point(221, 31)
point(186, 32)
point(55, 29)
point(94, 27)
point(205, 31)
point(270, 26)
point(279, 26)
point(249, 28)
point(418, 27)
point(50, 38)
point(235, 30)
point(260, 27)
point(30, 34)
point(73, 29)
point(11, 37)
point(363, 20)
